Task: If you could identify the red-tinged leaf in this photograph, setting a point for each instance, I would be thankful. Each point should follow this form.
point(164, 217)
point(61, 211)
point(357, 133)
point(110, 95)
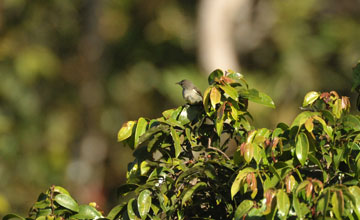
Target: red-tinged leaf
point(239, 178)
point(310, 98)
point(269, 196)
point(309, 189)
point(126, 130)
point(227, 79)
point(215, 97)
point(345, 103)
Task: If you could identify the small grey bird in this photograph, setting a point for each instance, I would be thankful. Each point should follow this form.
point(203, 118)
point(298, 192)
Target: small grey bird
point(191, 94)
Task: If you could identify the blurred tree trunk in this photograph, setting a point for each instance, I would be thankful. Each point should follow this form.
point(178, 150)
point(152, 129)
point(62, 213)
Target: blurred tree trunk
point(227, 28)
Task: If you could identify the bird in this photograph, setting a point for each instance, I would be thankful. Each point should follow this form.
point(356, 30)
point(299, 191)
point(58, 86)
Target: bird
point(191, 94)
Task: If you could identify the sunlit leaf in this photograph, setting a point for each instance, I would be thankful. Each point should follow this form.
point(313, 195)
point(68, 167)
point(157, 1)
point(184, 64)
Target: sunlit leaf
point(230, 92)
point(355, 191)
point(131, 211)
point(337, 202)
point(302, 148)
point(283, 204)
point(310, 98)
point(243, 209)
point(87, 212)
point(126, 130)
point(336, 110)
point(215, 97)
point(240, 177)
point(140, 130)
point(115, 211)
point(144, 203)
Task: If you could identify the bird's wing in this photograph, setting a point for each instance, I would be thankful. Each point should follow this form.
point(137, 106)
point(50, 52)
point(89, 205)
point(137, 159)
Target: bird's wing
point(197, 91)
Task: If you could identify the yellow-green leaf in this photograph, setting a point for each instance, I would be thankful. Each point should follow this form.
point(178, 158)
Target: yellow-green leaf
point(230, 92)
point(243, 209)
point(241, 175)
point(283, 204)
point(176, 140)
point(144, 203)
point(126, 130)
point(215, 97)
point(310, 98)
point(140, 130)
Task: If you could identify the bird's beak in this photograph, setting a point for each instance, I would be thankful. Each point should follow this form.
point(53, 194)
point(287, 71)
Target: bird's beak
point(179, 83)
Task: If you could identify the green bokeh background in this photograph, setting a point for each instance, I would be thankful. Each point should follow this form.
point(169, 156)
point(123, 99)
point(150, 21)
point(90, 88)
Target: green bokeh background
point(71, 72)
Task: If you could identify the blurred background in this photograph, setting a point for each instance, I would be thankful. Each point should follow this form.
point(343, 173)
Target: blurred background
point(72, 72)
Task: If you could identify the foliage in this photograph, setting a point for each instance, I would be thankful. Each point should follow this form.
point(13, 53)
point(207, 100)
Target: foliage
point(309, 169)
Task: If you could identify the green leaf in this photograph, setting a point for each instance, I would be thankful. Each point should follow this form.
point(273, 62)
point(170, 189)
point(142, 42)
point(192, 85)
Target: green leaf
point(302, 148)
point(144, 203)
point(191, 191)
point(355, 191)
point(283, 204)
point(67, 201)
point(215, 97)
point(301, 209)
point(176, 140)
point(336, 109)
point(243, 209)
point(114, 212)
point(214, 76)
point(87, 212)
point(12, 216)
point(257, 97)
point(61, 190)
point(310, 98)
point(130, 210)
point(235, 187)
point(351, 122)
point(140, 130)
point(230, 92)
point(126, 130)
point(303, 117)
point(337, 204)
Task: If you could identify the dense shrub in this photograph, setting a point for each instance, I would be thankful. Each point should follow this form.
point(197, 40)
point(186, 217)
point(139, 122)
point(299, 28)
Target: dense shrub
point(309, 169)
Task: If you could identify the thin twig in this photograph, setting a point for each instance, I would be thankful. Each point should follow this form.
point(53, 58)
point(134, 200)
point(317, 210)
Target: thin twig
point(218, 150)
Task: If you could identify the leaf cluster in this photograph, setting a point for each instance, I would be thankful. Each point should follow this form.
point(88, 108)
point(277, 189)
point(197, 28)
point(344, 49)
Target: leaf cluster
point(309, 169)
